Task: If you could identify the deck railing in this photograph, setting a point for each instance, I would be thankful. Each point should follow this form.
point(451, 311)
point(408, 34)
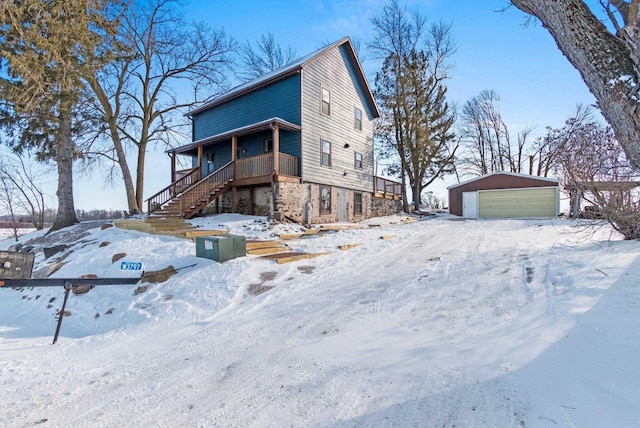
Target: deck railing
point(187, 179)
point(387, 188)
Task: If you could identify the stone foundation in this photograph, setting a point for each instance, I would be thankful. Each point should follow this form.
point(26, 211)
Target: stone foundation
point(256, 201)
point(300, 202)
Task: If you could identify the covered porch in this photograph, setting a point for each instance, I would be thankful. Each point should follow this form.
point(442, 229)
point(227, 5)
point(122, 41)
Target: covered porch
point(260, 154)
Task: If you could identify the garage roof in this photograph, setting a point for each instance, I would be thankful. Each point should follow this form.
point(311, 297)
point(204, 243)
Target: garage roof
point(554, 181)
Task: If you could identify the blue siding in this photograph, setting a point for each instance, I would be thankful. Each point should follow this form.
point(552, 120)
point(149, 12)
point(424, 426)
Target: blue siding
point(281, 99)
point(221, 156)
point(251, 144)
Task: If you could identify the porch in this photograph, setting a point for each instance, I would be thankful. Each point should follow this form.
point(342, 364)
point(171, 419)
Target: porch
point(188, 194)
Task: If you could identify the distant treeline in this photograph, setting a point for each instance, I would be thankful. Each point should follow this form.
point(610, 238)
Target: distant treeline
point(49, 215)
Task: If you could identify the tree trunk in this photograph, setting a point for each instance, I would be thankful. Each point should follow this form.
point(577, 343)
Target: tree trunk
point(416, 194)
point(142, 151)
point(605, 62)
point(111, 118)
point(66, 215)
point(132, 202)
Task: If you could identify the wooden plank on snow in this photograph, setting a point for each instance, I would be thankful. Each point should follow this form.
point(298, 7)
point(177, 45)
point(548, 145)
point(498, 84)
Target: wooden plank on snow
point(292, 257)
point(192, 234)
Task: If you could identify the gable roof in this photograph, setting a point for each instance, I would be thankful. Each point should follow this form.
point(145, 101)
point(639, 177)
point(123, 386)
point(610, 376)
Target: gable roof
point(290, 69)
point(513, 174)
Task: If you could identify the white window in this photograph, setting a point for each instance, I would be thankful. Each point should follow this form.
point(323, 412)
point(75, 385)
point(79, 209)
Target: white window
point(357, 160)
point(358, 120)
point(326, 153)
point(326, 102)
point(267, 145)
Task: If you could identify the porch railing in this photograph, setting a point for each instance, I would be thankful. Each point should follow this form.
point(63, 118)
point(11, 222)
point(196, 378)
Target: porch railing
point(186, 179)
point(200, 193)
point(262, 165)
point(387, 188)
point(288, 165)
point(255, 166)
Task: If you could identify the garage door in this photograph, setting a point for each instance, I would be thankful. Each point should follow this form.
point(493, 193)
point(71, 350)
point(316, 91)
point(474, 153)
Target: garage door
point(537, 202)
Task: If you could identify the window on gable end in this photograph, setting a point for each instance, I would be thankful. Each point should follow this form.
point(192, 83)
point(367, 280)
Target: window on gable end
point(326, 102)
point(358, 119)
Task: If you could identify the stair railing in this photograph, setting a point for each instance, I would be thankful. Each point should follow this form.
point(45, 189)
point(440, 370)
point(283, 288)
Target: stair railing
point(156, 201)
point(201, 192)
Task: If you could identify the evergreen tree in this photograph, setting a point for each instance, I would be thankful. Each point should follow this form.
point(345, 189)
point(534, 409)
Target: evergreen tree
point(46, 48)
point(419, 119)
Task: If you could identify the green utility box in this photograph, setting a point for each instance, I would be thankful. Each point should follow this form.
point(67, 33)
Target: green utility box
point(218, 248)
point(239, 245)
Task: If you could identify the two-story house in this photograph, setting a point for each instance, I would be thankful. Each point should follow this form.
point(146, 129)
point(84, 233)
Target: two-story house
point(296, 143)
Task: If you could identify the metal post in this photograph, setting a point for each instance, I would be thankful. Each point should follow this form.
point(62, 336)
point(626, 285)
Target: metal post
point(67, 288)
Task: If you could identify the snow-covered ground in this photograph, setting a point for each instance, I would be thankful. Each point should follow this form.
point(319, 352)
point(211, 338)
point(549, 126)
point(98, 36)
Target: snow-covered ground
point(510, 323)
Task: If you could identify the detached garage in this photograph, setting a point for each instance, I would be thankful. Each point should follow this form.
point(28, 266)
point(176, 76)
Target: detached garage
point(505, 194)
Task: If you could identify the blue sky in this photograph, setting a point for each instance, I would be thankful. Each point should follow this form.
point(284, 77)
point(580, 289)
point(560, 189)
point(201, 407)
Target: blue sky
point(537, 85)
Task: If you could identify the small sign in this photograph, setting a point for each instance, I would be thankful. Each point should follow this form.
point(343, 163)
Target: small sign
point(131, 266)
point(208, 245)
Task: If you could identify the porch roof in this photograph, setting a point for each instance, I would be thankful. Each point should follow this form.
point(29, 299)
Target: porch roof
point(248, 129)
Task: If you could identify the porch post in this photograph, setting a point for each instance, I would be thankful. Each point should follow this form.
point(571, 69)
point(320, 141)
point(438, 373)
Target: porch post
point(275, 189)
point(234, 147)
point(172, 155)
point(276, 148)
point(200, 161)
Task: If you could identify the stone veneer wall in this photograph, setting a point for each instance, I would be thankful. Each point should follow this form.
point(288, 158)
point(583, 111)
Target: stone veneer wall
point(261, 202)
point(383, 207)
point(293, 201)
point(294, 197)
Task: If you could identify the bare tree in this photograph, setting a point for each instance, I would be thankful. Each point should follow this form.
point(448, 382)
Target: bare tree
point(488, 142)
point(608, 62)
point(547, 151)
point(267, 56)
point(139, 97)
point(22, 184)
point(7, 198)
point(595, 168)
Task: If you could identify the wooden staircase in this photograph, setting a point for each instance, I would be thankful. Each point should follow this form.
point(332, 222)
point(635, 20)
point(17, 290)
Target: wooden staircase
point(185, 201)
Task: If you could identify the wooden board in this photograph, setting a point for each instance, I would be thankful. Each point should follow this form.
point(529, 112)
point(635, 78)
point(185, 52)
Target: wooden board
point(312, 231)
point(292, 257)
point(287, 236)
point(254, 244)
point(386, 237)
point(349, 246)
point(268, 250)
point(195, 233)
point(338, 227)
